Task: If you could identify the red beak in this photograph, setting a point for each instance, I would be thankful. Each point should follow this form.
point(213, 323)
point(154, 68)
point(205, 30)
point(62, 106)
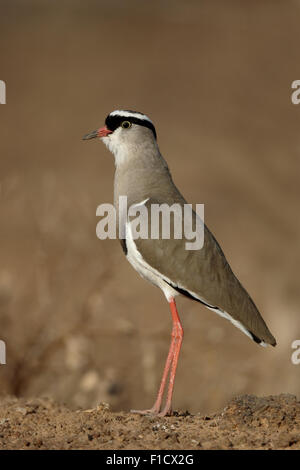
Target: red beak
point(102, 132)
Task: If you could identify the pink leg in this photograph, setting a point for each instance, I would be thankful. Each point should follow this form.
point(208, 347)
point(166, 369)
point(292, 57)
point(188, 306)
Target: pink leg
point(157, 405)
point(177, 336)
point(178, 342)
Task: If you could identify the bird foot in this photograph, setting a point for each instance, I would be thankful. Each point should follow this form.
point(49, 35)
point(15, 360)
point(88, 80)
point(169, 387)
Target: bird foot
point(167, 411)
point(150, 412)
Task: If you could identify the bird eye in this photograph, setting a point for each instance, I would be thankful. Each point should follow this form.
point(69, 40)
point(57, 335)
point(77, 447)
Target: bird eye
point(126, 124)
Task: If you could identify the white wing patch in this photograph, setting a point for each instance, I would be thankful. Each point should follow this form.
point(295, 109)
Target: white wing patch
point(141, 203)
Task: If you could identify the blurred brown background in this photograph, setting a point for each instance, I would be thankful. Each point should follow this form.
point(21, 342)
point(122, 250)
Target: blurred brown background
point(79, 324)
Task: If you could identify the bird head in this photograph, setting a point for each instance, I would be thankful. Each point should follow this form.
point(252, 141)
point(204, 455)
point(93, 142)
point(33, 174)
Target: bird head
point(125, 131)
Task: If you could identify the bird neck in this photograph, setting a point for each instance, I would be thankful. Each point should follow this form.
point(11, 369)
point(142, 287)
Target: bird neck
point(143, 154)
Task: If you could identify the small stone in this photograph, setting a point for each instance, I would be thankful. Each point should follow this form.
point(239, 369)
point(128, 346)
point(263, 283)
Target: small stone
point(19, 409)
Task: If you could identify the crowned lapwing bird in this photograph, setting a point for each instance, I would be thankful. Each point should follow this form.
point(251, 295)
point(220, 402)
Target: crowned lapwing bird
point(203, 275)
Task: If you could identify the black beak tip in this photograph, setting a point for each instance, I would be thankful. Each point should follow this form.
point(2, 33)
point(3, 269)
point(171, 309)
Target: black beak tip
point(91, 135)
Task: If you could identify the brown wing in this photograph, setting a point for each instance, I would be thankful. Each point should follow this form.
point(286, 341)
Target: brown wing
point(206, 276)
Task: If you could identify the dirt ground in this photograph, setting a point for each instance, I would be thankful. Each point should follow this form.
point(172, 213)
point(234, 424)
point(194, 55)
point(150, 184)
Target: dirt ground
point(247, 422)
